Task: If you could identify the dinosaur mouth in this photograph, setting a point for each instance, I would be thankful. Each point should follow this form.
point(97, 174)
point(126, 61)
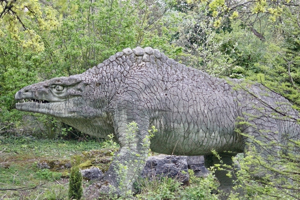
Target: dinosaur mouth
point(31, 101)
point(40, 106)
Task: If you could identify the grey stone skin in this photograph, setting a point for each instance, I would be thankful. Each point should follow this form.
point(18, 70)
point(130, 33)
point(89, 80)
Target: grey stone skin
point(193, 112)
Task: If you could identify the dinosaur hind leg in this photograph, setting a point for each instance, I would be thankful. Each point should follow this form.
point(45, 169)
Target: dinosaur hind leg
point(226, 182)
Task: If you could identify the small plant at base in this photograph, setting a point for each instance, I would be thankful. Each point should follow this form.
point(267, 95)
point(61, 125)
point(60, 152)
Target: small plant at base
point(159, 188)
point(75, 184)
point(200, 188)
point(110, 143)
point(152, 132)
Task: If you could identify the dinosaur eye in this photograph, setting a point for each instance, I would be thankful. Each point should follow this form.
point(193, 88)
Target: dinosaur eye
point(59, 88)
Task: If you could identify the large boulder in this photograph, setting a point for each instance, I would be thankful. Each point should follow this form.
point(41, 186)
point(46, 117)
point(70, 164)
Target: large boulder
point(174, 167)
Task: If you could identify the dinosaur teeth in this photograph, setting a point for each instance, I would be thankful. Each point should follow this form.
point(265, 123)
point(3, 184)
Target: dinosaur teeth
point(32, 101)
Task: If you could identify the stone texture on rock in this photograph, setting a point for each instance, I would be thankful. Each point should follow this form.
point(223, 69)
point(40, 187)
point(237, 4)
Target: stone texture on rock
point(54, 164)
point(92, 173)
point(174, 167)
point(196, 163)
point(167, 166)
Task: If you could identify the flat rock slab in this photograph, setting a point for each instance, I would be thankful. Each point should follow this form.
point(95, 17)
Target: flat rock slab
point(174, 167)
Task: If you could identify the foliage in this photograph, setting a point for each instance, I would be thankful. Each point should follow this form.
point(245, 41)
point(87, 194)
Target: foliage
point(22, 21)
point(200, 187)
point(19, 171)
point(198, 39)
point(56, 192)
point(48, 175)
point(80, 35)
point(250, 12)
point(272, 178)
point(274, 62)
point(167, 188)
point(75, 182)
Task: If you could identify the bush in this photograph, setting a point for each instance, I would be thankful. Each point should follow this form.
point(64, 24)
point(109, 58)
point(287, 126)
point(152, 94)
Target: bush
point(167, 188)
point(75, 184)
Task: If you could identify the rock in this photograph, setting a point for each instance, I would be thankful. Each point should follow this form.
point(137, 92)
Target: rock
point(148, 50)
point(174, 167)
point(156, 166)
point(196, 163)
point(146, 58)
point(112, 58)
point(43, 165)
point(54, 164)
point(127, 51)
point(119, 54)
point(138, 51)
point(92, 173)
point(157, 53)
point(167, 166)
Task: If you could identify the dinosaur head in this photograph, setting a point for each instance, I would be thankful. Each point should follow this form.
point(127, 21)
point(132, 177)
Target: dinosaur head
point(65, 97)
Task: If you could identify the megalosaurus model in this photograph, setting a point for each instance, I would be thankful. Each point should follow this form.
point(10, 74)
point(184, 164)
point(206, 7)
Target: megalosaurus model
point(193, 112)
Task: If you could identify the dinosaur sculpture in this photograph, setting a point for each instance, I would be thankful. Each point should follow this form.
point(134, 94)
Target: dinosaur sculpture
point(193, 112)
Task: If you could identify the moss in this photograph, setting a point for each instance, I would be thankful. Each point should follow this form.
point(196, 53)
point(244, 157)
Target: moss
point(65, 174)
point(86, 164)
point(99, 158)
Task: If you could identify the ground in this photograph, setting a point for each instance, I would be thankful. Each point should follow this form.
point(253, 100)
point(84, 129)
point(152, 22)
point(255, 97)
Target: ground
point(21, 179)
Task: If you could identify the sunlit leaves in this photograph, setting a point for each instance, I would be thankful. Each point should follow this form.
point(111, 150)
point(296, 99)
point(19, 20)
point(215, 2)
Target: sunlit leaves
point(260, 6)
point(234, 15)
point(216, 4)
point(23, 20)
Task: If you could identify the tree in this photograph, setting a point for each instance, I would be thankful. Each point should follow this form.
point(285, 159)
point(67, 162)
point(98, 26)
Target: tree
point(77, 36)
point(22, 21)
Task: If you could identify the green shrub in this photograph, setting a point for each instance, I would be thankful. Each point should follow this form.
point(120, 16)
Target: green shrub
point(167, 188)
point(200, 188)
point(75, 184)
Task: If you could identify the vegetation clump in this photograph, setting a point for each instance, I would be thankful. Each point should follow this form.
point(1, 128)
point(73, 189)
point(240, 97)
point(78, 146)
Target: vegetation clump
point(75, 182)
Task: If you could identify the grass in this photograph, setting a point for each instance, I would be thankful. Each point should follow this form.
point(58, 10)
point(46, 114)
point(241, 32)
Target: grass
point(20, 177)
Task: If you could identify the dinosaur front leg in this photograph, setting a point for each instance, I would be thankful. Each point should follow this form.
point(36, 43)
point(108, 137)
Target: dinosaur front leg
point(131, 131)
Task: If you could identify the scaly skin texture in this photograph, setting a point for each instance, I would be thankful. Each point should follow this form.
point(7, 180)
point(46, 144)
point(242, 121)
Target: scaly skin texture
point(192, 111)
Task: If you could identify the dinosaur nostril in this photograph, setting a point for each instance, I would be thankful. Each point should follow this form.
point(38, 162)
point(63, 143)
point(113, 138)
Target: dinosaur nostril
point(26, 90)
